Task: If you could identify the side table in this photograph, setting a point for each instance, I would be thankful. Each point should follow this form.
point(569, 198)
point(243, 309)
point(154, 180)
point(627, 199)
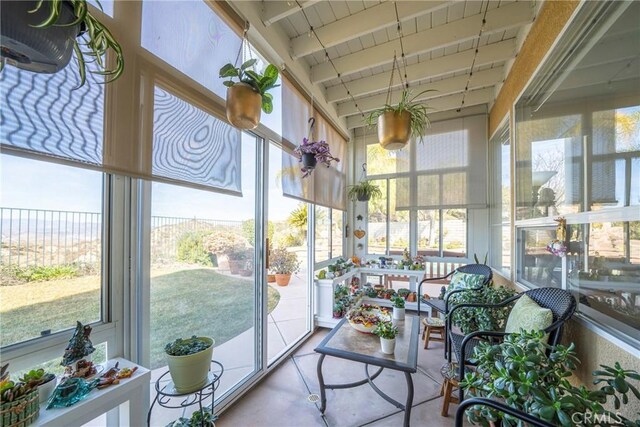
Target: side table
point(168, 397)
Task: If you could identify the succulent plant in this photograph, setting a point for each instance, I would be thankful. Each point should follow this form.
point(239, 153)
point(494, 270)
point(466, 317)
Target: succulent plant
point(185, 347)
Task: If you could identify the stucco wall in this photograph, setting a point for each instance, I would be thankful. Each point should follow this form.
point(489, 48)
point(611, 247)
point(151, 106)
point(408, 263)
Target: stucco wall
point(550, 21)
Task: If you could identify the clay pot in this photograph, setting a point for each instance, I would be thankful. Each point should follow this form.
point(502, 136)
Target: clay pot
point(283, 279)
point(271, 278)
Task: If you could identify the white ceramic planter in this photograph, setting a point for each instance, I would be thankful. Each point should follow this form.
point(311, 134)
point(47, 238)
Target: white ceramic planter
point(388, 346)
point(398, 313)
point(190, 372)
point(46, 390)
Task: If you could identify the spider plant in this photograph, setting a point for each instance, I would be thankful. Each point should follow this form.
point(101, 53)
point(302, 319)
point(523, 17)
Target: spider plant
point(93, 42)
point(418, 111)
point(364, 191)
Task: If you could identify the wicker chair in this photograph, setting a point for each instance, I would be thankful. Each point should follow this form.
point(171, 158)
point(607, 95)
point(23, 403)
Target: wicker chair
point(443, 305)
point(561, 303)
point(523, 416)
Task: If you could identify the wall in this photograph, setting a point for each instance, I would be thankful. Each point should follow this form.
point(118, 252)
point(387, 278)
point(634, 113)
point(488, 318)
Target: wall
point(548, 24)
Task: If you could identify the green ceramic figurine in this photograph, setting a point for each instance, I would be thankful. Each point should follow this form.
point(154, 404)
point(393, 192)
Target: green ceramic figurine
point(79, 345)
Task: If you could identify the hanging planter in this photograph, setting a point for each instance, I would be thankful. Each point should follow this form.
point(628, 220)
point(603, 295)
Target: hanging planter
point(364, 190)
point(247, 90)
point(397, 123)
point(41, 36)
point(310, 153)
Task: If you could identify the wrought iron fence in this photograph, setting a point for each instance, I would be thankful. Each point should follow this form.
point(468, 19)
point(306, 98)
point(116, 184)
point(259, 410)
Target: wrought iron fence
point(36, 237)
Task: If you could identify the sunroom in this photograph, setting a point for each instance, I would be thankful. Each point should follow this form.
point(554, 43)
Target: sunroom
point(319, 213)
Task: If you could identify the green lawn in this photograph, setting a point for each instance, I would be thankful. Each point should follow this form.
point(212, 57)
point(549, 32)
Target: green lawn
point(184, 302)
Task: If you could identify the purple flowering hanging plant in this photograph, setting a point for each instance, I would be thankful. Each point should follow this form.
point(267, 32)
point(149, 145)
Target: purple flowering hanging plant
point(319, 149)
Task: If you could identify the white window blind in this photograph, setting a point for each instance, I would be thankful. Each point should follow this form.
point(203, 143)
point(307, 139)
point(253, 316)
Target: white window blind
point(450, 166)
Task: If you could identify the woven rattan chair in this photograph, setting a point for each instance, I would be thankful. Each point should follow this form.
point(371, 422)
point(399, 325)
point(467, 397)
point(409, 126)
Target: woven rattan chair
point(442, 305)
point(561, 303)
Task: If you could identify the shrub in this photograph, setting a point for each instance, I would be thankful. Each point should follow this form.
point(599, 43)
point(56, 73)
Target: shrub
point(289, 240)
point(41, 273)
point(249, 231)
point(222, 241)
point(284, 262)
point(191, 249)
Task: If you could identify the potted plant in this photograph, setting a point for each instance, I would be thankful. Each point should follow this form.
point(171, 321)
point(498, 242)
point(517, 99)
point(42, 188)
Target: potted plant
point(40, 36)
point(398, 307)
point(397, 123)
point(535, 378)
point(247, 93)
point(364, 191)
point(19, 402)
point(387, 333)
point(283, 264)
point(189, 362)
point(338, 310)
point(310, 153)
point(247, 269)
point(44, 381)
point(237, 259)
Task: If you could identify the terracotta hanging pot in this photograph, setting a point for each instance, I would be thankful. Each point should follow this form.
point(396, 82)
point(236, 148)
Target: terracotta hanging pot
point(243, 106)
point(309, 160)
point(394, 130)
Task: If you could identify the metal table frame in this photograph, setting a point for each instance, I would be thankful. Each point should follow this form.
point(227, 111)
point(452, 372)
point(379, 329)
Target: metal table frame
point(408, 368)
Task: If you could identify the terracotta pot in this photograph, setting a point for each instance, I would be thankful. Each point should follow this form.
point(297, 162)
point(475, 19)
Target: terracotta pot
point(411, 297)
point(244, 106)
point(394, 130)
point(271, 278)
point(283, 279)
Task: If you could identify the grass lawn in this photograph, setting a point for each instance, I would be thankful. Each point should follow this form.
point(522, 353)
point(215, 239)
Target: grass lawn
point(184, 302)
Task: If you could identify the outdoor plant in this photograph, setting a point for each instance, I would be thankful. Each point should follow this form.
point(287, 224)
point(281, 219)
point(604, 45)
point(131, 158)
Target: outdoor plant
point(283, 262)
point(221, 241)
point(474, 319)
point(93, 42)
point(190, 249)
point(185, 347)
point(386, 330)
point(320, 151)
point(364, 191)
point(533, 377)
point(398, 302)
point(260, 83)
point(419, 121)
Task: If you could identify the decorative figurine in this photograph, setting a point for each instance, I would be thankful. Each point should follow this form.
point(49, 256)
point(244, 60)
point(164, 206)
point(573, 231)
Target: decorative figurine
point(79, 345)
point(70, 392)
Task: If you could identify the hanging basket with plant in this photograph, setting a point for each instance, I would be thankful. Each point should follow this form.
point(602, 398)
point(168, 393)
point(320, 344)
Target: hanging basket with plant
point(247, 90)
point(364, 190)
point(398, 122)
point(40, 36)
point(312, 152)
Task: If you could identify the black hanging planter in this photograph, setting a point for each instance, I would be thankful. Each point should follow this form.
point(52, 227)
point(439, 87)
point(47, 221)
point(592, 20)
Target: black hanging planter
point(309, 160)
point(364, 197)
point(42, 50)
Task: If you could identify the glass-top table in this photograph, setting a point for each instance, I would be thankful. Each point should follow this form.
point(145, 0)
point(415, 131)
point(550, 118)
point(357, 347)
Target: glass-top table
point(345, 342)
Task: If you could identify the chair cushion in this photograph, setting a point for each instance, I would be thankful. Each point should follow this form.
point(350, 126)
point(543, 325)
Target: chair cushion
point(460, 280)
point(528, 315)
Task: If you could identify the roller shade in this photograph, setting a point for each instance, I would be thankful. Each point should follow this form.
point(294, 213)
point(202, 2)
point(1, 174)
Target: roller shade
point(325, 186)
point(450, 166)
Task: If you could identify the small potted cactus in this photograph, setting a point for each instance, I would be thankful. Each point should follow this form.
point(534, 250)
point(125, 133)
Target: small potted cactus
point(189, 362)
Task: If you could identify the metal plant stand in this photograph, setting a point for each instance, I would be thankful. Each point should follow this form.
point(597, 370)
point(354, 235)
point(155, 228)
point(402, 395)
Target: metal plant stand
point(168, 397)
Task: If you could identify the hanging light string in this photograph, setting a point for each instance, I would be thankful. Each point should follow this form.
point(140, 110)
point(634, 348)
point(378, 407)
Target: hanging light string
point(327, 58)
point(475, 55)
point(402, 55)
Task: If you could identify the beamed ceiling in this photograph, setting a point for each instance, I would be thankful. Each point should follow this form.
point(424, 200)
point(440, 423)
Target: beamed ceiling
point(447, 48)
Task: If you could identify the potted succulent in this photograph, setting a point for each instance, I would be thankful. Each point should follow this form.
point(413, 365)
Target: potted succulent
point(283, 264)
point(40, 36)
point(535, 378)
point(19, 401)
point(247, 93)
point(44, 381)
point(189, 362)
point(398, 307)
point(387, 333)
point(364, 191)
point(397, 123)
point(310, 153)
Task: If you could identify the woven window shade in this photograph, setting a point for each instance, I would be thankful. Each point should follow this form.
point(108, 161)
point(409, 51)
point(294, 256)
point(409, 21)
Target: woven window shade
point(325, 186)
point(450, 166)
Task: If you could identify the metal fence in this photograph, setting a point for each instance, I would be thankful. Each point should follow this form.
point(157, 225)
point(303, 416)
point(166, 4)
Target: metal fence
point(36, 237)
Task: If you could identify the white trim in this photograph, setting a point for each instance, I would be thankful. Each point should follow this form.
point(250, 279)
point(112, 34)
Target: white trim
point(601, 332)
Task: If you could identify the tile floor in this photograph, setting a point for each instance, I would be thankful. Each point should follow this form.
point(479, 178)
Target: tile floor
point(281, 399)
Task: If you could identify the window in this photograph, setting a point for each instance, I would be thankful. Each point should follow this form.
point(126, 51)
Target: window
point(337, 233)
point(388, 227)
point(577, 153)
point(500, 200)
point(451, 242)
point(329, 231)
point(51, 222)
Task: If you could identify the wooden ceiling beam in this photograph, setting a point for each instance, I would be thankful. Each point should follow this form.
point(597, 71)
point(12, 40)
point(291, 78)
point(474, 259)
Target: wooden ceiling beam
point(361, 23)
point(274, 11)
point(461, 61)
point(501, 19)
point(451, 102)
point(441, 88)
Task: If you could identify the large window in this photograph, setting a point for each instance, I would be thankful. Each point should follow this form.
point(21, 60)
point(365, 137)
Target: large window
point(442, 233)
point(500, 200)
point(329, 232)
point(51, 258)
point(578, 155)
